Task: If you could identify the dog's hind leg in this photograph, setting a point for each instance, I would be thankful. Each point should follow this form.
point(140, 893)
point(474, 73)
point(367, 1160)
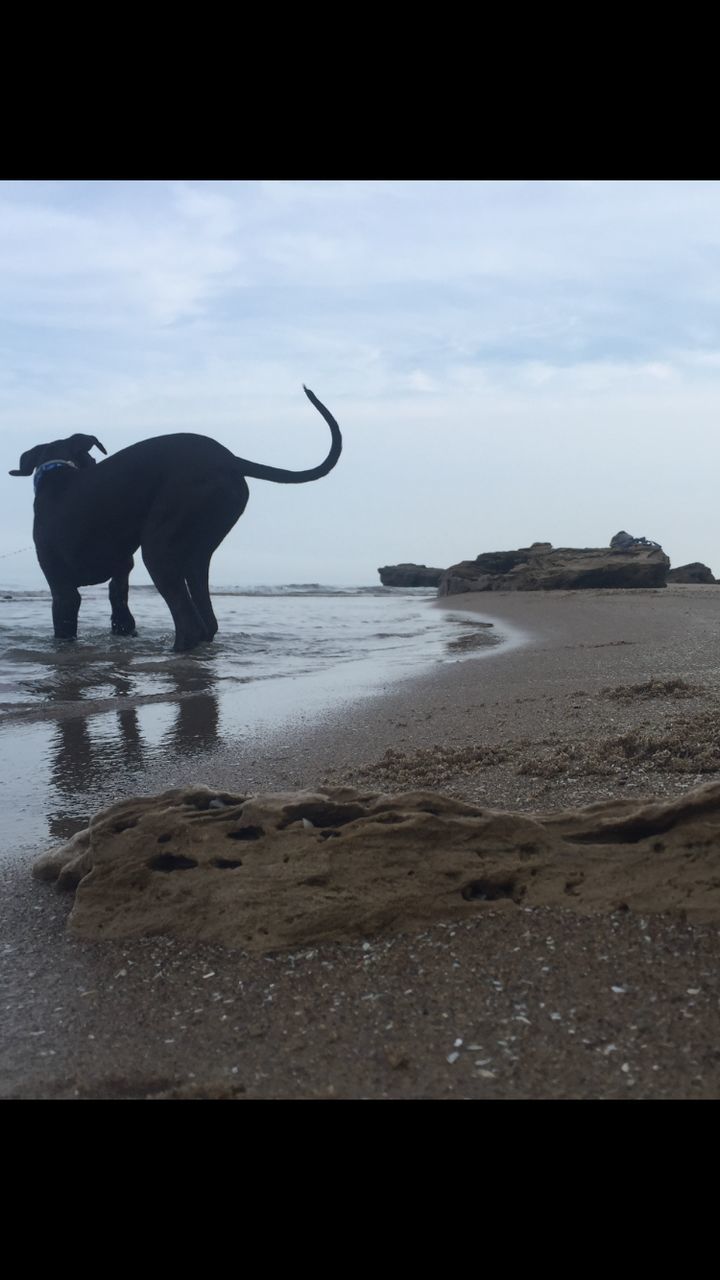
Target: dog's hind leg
point(121, 621)
point(196, 577)
point(65, 608)
point(212, 519)
point(190, 628)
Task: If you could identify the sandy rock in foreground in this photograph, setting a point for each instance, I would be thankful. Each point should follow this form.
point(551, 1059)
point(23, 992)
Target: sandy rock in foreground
point(280, 870)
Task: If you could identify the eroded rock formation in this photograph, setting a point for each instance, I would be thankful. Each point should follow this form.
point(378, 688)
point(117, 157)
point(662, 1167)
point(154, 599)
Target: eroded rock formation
point(542, 567)
point(695, 572)
point(266, 872)
point(410, 575)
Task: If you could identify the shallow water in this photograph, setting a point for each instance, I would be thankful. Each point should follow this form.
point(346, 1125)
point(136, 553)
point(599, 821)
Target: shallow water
point(86, 722)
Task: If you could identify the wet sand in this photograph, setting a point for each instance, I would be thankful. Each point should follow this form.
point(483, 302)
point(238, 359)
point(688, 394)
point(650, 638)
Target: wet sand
point(614, 694)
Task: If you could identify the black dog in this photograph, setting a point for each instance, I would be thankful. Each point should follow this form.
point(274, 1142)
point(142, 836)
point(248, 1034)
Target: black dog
point(175, 497)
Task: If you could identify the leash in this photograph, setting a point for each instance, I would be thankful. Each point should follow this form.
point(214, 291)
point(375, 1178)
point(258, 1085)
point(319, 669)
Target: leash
point(16, 553)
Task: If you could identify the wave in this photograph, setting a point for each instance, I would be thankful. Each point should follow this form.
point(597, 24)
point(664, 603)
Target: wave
point(319, 589)
point(283, 589)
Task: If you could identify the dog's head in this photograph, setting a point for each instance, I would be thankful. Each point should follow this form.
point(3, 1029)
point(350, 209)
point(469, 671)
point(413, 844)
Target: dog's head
point(75, 449)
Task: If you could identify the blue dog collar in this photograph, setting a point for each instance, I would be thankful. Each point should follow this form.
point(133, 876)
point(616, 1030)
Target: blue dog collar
point(50, 466)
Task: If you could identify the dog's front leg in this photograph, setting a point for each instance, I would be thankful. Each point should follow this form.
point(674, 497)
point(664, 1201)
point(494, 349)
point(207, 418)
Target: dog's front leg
point(65, 609)
point(122, 622)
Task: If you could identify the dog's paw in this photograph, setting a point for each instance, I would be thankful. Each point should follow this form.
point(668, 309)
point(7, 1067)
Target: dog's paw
point(123, 628)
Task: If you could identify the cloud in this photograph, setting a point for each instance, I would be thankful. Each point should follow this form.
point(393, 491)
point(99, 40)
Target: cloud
point(64, 267)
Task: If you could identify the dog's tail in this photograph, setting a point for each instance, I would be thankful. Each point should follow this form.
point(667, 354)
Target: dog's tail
point(256, 471)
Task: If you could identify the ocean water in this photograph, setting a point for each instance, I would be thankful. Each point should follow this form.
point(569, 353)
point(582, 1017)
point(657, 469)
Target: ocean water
point(266, 634)
point(83, 722)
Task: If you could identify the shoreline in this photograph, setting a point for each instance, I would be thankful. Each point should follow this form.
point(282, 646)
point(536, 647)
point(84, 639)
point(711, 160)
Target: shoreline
point(380, 1018)
point(85, 746)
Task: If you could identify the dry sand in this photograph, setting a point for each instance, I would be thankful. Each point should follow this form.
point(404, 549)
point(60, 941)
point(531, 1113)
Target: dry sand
point(615, 696)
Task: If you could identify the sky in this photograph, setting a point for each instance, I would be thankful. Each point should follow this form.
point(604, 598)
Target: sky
point(509, 362)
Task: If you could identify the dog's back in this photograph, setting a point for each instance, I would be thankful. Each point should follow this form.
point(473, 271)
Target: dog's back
point(113, 506)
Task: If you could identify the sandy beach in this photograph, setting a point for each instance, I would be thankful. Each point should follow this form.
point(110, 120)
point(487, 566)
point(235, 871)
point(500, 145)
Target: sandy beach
point(604, 695)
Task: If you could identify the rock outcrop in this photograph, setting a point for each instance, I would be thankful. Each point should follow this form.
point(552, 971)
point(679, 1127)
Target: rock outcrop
point(410, 575)
point(624, 539)
point(542, 567)
point(265, 872)
point(695, 572)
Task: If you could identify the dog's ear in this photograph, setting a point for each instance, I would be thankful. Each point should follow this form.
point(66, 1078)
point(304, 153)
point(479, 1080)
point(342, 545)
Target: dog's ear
point(94, 441)
point(83, 444)
point(75, 447)
point(28, 461)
